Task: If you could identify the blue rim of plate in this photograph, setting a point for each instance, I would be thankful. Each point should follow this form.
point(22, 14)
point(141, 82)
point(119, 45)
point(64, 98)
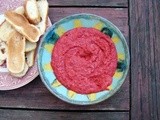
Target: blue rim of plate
point(45, 52)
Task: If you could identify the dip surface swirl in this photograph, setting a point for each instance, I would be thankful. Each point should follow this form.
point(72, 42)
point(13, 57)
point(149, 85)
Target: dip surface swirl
point(84, 60)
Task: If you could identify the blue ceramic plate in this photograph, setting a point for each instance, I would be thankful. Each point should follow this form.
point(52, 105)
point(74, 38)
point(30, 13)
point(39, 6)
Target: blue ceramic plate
point(56, 31)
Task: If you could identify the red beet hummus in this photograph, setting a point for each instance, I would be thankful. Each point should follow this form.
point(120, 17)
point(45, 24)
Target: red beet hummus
point(84, 60)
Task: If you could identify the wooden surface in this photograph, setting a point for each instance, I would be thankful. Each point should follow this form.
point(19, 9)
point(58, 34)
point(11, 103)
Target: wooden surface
point(52, 115)
point(137, 99)
point(145, 59)
point(98, 3)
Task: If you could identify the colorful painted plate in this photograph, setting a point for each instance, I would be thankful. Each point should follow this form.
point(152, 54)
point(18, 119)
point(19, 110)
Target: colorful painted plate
point(57, 30)
point(8, 82)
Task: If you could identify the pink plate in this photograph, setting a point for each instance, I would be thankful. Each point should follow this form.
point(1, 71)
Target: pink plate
point(8, 82)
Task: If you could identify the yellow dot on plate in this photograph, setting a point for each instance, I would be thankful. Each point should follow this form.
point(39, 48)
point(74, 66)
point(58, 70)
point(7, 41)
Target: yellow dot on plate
point(121, 56)
point(47, 67)
point(71, 94)
point(92, 96)
point(56, 83)
point(115, 39)
point(118, 74)
point(77, 23)
point(98, 25)
point(109, 87)
point(60, 30)
point(49, 47)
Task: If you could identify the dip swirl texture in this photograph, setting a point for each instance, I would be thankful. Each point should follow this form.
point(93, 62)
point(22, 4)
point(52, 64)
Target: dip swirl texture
point(84, 60)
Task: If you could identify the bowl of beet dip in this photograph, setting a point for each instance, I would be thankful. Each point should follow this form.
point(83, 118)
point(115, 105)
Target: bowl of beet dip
point(83, 59)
